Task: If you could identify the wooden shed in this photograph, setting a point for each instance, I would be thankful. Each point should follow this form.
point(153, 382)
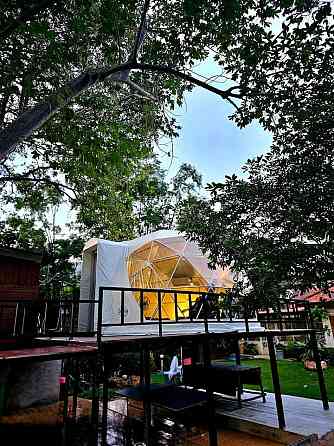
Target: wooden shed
point(19, 280)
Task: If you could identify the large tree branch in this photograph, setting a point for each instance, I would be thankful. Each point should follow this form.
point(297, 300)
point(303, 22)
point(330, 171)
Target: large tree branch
point(60, 187)
point(36, 116)
point(141, 32)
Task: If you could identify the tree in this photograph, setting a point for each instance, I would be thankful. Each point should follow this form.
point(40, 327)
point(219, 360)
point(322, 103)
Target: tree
point(47, 43)
point(275, 226)
point(66, 27)
point(158, 199)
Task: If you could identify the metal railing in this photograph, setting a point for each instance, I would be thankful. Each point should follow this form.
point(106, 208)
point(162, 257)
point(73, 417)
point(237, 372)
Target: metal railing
point(186, 307)
point(60, 318)
point(34, 318)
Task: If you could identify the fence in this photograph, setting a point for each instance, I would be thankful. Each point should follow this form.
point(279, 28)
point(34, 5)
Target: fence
point(154, 306)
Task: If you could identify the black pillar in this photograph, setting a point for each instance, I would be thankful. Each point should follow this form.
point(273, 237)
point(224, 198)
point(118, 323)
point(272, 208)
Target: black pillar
point(317, 359)
point(213, 438)
point(104, 406)
point(147, 401)
point(93, 440)
point(75, 389)
point(276, 382)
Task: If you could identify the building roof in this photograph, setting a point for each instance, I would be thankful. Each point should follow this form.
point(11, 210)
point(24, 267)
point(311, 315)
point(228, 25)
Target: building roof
point(314, 295)
point(21, 254)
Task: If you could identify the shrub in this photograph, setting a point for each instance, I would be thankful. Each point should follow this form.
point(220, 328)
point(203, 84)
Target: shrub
point(250, 349)
point(294, 350)
point(328, 355)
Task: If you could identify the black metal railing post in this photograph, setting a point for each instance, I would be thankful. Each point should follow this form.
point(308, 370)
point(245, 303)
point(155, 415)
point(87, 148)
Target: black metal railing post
point(246, 315)
point(190, 307)
point(205, 298)
point(176, 307)
point(317, 359)
point(100, 318)
point(276, 382)
point(122, 307)
point(141, 304)
point(160, 313)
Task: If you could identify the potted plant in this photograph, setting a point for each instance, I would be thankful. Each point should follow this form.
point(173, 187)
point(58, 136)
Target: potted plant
point(308, 358)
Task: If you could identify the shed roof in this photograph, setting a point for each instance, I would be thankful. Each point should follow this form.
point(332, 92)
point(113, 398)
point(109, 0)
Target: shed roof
point(21, 254)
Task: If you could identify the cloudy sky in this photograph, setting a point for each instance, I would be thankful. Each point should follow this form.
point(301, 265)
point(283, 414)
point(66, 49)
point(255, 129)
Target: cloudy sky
point(208, 139)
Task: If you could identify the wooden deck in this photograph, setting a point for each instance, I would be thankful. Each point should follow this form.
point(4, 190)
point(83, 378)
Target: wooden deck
point(46, 353)
point(303, 416)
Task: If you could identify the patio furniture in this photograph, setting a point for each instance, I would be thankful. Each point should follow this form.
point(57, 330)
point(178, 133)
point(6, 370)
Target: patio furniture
point(176, 411)
point(225, 379)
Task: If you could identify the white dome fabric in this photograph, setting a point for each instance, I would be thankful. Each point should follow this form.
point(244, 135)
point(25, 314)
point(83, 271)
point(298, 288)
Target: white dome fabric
point(162, 259)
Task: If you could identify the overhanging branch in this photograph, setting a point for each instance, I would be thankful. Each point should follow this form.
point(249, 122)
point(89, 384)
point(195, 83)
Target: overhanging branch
point(36, 116)
point(60, 187)
point(141, 32)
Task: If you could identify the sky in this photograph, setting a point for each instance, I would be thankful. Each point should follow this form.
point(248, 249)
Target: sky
point(208, 139)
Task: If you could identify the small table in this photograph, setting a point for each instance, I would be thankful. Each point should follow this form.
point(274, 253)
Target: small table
point(168, 396)
point(171, 398)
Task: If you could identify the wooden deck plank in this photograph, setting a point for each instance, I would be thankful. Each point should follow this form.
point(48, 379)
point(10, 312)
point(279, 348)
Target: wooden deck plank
point(47, 352)
point(304, 416)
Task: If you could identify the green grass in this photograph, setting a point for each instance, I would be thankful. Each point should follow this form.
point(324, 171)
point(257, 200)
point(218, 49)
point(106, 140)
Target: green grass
point(294, 379)
point(158, 378)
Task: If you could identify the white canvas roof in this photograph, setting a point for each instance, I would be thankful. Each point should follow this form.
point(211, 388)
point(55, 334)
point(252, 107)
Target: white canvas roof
point(105, 263)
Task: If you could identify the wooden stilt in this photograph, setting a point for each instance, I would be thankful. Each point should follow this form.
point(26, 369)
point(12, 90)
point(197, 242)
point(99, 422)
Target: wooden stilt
point(93, 440)
point(105, 406)
point(213, 438)
point(276, 382)
point(75, 389)
point(147, 402)
point(317, 359)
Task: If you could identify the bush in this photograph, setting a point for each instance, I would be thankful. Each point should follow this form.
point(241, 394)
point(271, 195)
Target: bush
point(328, 355)
point(294, 350)
point(250, 349)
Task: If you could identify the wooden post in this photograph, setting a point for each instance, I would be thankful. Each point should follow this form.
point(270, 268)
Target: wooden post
point(75, 389)
point(93, 440)
point(322, 385)
point(65, 388)
point(147, 402)
point(246, 315)
point(104, 431)
point(213, 438)
point(141, 365)
point(276, 382)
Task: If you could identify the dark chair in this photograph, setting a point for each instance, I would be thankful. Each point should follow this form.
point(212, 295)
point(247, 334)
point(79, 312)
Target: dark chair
point(225, 379)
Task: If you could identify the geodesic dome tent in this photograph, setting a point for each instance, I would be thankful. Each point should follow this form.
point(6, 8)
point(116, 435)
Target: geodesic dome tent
point(160, 260)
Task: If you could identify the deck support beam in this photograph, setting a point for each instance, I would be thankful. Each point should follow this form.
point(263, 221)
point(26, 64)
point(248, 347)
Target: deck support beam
point(213, 438)
point(75, 389)
point(317, 359)
point(147, 402)
point(93, 441)
point(276, 382)
point(104, 431)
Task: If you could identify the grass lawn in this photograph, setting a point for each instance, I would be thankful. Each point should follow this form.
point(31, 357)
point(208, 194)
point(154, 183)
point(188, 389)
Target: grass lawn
point(295, 380)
